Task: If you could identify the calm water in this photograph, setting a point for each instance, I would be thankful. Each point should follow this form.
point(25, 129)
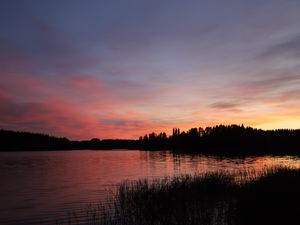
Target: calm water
point(42, 187)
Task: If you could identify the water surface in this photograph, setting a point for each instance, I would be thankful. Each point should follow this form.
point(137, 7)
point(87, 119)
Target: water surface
point(43, 187)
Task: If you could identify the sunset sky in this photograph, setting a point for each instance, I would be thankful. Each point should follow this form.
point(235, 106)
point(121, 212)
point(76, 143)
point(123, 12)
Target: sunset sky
point(120, 69)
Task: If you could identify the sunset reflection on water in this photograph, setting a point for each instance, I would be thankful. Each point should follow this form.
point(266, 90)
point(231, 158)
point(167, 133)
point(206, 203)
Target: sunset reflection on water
point(40, 186)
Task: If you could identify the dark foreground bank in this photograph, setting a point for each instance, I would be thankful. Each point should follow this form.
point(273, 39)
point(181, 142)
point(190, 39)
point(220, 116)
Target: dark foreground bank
point(216, 198)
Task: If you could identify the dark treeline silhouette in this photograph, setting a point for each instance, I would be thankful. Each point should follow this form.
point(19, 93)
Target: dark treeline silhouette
point(19, 141)
point(231, 139)
point(221, 139)
point(13, 140)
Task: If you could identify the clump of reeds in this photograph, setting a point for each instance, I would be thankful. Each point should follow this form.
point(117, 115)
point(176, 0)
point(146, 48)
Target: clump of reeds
point(214, 198)
point(178, 200)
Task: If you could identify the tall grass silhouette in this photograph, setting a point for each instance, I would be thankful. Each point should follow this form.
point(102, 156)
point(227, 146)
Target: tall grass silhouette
point(271, 197)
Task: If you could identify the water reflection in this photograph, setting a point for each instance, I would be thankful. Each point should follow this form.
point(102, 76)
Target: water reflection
point(41, 186)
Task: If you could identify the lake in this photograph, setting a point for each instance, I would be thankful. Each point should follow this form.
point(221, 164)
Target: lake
point(46, 187)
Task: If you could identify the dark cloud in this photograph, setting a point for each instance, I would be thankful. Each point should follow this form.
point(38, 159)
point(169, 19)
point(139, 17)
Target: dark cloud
point(246, 94)
point(224, 105)
point(269, 83)
point(286, 48)
point(124, 123)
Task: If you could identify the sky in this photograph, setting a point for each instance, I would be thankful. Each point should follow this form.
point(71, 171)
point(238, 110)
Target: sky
point(120, 69)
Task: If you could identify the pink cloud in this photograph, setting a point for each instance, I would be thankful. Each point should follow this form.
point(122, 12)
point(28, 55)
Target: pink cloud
point(59, 112)
point(81, 106)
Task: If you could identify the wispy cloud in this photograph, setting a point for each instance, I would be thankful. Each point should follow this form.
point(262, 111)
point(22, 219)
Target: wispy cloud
point(285, 48)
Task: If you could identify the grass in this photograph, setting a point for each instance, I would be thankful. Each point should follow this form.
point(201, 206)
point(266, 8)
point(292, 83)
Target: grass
point(209, 199)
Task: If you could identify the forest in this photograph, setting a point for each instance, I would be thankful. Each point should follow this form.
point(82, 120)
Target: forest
point(220, 139)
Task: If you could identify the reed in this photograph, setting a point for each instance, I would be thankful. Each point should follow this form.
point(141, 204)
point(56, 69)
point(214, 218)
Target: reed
point(271, 197)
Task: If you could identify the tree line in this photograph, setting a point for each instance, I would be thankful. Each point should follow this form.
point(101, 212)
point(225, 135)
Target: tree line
point(227, 139)
point(221, 139)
